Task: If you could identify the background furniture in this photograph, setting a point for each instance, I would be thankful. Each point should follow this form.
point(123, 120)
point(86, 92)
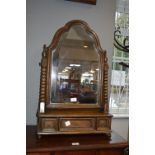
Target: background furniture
point(68, 144)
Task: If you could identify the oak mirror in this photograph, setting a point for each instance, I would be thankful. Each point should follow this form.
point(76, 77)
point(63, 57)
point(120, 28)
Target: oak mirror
point(73, 96)
point(76, 68)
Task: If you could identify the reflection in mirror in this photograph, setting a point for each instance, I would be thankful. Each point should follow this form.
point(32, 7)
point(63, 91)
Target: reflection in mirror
point(75, 68)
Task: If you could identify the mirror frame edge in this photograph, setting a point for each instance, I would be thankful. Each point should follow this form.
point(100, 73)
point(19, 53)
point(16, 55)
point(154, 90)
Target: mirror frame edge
point(45, 84)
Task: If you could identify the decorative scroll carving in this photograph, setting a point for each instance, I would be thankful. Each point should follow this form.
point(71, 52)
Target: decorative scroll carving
point(122, 46)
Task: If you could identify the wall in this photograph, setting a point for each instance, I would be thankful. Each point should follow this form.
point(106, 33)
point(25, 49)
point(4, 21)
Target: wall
point(121, 126)
point(42, 21)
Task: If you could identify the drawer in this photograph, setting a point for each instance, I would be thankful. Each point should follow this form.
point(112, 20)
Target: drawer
point(49, 124)
point(77, 124)
point(103, 123)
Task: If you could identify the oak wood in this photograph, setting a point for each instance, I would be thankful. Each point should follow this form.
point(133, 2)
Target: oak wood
point(87, 152)
point(44, 153)
point(73, 113)
point(62, 144)
point(50, 121)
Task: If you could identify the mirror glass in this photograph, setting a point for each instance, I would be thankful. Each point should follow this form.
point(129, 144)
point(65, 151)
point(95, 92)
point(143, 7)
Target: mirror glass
point(75, 68)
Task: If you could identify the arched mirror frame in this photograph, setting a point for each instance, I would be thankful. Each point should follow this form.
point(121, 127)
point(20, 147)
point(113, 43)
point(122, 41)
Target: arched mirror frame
point(45, 76)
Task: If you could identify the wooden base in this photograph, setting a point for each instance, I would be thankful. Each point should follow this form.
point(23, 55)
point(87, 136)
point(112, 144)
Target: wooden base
point(77, 122)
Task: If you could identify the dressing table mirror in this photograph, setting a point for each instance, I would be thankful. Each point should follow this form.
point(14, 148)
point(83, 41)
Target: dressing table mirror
point(73, 96)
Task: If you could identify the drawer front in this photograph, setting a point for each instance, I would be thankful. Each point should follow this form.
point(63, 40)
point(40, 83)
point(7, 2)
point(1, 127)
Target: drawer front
point(77, 124)
point(49, 124)
point(77, 152)
point(103, 124)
